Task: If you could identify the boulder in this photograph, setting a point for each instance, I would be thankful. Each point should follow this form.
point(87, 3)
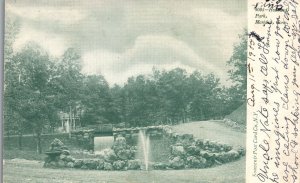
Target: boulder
point(107, 166)
point(193, 150)
point(220, 147)
point(188, 136)
point(70, 165)
point(57, 145)
point(177, 150)
point(199, 143)
point(91, 164)
point(177, 163)
point(100, 164)
point(60, 164)
point(125, 154)
point(133, 150)
point(212, 144)
point(108, 155)
point(62, 156)
point(67, 158)
point(202, 162)
point(186, 139)
point(78, 163)
point(211, 157)
point(241, 151)
point(120, 143)
point(84, 167)
point(227, 147)
point(119, 165)
point(234, 154)
point(225, 157)
point(160, 166)
point(205, 154)
point(193, 162)
point(65, 152)
point(133, 165)
point(205, 142)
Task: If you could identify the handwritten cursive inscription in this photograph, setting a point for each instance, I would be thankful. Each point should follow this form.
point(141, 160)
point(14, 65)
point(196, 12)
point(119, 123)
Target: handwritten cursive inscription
point(273, 91)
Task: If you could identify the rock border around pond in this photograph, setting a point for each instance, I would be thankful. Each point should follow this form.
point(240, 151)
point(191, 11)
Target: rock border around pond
point(186, 152)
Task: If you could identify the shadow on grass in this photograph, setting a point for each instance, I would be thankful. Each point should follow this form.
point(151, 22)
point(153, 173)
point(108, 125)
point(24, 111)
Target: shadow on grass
point(28, 155)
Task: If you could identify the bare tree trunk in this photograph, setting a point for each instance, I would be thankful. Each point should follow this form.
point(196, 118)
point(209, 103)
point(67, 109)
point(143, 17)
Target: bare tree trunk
point(39, 145)
point(70, 121)
point(20, 136)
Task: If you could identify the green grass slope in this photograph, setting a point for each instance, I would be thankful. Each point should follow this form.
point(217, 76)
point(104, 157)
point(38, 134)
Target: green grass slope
point(239, 115)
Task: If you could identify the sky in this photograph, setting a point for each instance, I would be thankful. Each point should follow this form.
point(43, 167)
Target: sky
point(123, 38)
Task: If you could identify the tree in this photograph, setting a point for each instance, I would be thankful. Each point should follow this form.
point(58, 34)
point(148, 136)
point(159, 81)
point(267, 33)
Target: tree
point(13, 123)
point(33, 89)
point(175, 90)
point(168, 97)
point(67, 83)
point(238, 72)
point(97, 101)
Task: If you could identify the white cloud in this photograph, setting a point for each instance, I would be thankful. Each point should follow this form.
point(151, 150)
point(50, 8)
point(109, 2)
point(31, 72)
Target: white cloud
point(55, 44)
point(121, 40)
point(99, 61)
point(54, 14)
point(160, 51)
point(222, 28)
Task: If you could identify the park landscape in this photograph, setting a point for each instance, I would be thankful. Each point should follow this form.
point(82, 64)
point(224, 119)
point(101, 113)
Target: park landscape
point(150, 110)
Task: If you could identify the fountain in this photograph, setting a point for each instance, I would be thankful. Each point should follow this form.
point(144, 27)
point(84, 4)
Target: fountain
point(103, 142)
point(144, 146)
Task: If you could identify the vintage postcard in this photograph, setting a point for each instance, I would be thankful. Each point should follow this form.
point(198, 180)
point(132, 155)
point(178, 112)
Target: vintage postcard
point(151, 91)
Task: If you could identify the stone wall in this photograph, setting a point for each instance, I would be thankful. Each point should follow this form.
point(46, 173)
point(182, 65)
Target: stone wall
point(131, 134)
point(86, 137)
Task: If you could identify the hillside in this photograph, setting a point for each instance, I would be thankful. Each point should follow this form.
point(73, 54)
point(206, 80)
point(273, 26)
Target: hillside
point(239, 115)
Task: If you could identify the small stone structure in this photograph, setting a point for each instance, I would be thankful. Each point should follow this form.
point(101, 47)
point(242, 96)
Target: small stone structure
point(85, 137)
point(56, 154)
point(186, 152)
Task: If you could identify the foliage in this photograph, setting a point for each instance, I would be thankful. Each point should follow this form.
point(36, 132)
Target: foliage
point(97, 101)
point(38, 87)
point(169, 97)
point(13, 121)
point(238, 72)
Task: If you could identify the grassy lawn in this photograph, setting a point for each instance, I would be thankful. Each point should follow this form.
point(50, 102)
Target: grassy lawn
point(31, 171)
point(28, 155)
point(214, 130)
point(18, 171)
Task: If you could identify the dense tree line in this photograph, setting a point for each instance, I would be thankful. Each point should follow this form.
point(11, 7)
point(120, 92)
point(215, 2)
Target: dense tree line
point(37, 87)
point(169, 97)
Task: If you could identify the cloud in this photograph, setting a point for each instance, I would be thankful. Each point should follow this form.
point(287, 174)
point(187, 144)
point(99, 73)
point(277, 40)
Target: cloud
point(118, 39)
point(160, 51)
point(65, 15)
point(53, 43)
